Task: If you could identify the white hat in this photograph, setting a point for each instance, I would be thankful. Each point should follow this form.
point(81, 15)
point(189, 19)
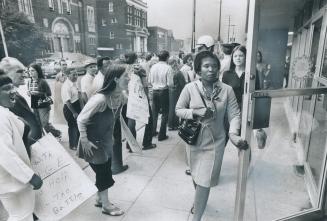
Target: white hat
point(205, 40)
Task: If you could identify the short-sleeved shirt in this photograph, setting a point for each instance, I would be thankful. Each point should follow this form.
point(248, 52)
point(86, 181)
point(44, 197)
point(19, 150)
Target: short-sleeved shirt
point(69, 91)
point(158, 76)
point(86, 84)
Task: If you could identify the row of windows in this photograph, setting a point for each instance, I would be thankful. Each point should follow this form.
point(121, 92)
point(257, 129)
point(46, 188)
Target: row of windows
point(62, 4)
point(137, 12)
point(92, 41)
point(138, 22)
point(112, 21)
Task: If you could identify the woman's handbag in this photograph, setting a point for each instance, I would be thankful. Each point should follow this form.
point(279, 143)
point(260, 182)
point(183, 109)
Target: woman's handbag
point(44, 102)
point(189, 130)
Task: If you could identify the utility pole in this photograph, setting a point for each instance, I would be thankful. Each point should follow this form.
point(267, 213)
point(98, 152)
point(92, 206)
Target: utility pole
point(3, 40)
point(233, 35)
point(220, 4)
point(228, 28)
point(193, 27)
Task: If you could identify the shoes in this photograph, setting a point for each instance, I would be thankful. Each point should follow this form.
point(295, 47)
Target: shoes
point(163, 138)
point(112, 211)
point(73, 148)
point(98, 203)
point(151, 146)
point(119, 170)
point(155, 134)
point(188, 172)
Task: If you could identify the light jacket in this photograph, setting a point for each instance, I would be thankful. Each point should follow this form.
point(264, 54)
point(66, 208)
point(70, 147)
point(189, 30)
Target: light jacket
point(15, 167)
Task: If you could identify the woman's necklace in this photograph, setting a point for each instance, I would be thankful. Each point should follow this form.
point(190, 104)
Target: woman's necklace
point(115, 108)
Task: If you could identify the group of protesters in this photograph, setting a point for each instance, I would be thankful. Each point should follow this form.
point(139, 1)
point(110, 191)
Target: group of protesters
point(199, 86)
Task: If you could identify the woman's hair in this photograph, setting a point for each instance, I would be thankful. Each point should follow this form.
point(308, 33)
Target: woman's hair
point(112, 72)
point(237, 48)
point(130, 57)
point(186, 57)
point(4, 79)
point(38, 70)
point(173, 62)
point(259, 52)
point(200, 56)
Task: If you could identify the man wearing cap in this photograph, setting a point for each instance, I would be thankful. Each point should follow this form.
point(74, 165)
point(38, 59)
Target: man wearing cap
point(205, 43)
point(87, 79)
point(102, 64)
point(33, 131)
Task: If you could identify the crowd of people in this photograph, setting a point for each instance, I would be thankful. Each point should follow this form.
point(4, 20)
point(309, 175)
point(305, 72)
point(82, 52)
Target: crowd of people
point(200, 86)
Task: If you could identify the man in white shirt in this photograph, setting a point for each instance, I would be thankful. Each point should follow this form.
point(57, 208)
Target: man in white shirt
point(225, 62)
point(158, 78)
point(87, 79)
point(102, 64)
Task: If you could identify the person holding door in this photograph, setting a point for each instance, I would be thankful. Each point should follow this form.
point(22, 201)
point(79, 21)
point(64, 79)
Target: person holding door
point(208, 101)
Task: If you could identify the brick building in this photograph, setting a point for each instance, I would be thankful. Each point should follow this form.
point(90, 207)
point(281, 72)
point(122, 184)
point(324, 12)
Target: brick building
point(163, 39)
point(122, 27)
point(68, 25)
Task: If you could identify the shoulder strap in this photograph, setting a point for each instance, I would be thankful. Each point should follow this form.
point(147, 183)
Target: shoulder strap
point(197, 87)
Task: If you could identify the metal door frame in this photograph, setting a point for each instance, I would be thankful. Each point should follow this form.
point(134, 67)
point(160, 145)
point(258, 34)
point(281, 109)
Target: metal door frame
point(248, 110)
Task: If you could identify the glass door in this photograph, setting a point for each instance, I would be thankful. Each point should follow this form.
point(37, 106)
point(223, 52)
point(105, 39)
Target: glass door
point(286, 179)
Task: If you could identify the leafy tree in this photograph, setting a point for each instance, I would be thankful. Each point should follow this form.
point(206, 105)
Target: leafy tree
point(24, 39)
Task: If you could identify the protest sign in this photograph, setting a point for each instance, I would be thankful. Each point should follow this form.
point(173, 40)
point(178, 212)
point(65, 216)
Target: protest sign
point(65, 185)
point(126, 133)
point(137, 105)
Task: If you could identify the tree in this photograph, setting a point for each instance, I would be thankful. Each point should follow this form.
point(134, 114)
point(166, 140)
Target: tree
point(24, 39)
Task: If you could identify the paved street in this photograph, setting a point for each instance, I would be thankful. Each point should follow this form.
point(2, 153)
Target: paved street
point(155, 186)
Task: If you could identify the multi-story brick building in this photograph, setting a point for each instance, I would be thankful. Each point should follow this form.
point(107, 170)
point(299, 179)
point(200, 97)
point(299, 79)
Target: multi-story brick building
point(68, 25)
point(163, 39)
point(122, 26)
point(158, 39)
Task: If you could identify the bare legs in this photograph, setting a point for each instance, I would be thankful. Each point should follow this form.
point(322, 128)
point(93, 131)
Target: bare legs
point(200, 201)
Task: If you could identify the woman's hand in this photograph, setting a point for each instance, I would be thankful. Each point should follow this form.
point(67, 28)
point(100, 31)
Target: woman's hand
point(238, 141)
point(36, 182)
point(87, 146)
point(203, 113)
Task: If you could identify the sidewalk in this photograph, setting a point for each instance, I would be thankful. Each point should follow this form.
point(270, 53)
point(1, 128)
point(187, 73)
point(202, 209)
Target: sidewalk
point(155, 187)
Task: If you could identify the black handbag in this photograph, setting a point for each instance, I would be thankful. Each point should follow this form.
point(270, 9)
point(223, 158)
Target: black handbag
point(189, 130)
point(44, 102)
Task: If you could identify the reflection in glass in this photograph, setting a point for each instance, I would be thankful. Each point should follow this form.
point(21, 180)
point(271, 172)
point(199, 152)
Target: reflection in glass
point(274, 189)
point(317, 144)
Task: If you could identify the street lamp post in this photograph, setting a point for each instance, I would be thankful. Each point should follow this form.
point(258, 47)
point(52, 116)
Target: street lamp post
point(220, 4)
point(193, 27)
point(3, 40)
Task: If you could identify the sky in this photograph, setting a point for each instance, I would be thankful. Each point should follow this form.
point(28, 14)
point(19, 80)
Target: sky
point(177, 16)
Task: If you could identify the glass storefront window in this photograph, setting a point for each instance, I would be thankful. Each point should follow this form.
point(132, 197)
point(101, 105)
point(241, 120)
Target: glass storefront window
point(317, 145)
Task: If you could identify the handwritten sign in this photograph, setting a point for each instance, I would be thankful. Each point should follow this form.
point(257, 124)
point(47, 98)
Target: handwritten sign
point(65, 185)
point(138, 105)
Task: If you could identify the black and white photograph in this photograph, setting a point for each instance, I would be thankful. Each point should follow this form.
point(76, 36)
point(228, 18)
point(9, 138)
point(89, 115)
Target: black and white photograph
point(163, 110)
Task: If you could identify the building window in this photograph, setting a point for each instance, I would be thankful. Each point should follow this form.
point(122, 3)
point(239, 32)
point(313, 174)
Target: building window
point(113, 20)
point(45, 22)
point(90, 19)
point(119, 46)
point(76, 28)
point(69, 8)
point(92, 41)
point(111, 7)
point(51, 4)
point(129, 9)
point(25, 6)
point(129, 20)
point(103, 22)
point(111, 35)
point(60, 8)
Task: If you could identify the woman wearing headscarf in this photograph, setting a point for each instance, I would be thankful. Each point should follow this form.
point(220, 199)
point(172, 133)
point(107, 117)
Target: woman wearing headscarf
point(96, 126)
point(208, 100)
point(17, 179)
